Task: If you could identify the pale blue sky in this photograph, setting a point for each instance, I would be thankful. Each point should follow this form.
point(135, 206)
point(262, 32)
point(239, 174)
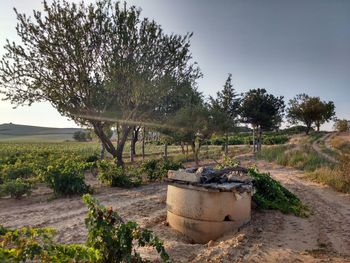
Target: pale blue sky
point(286, 47)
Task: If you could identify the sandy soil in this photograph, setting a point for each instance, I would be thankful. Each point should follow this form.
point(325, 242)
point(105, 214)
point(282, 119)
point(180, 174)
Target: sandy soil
point(270, 236)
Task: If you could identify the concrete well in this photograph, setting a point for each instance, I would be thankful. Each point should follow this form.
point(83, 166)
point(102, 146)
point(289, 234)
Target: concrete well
point(206, 214)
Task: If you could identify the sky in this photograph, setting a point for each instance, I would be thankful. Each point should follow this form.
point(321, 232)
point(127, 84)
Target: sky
point(285, 47)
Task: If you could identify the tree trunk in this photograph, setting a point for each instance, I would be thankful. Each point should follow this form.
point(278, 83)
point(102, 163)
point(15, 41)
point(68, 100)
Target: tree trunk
point(318, 126)
point(119, 153)
point(182, 147)
point(260, 139)
point(106, 142)
point(187, 149)
point(165, 151)
point(132, 145)
point(135, 138)
point(195, 152)
point(226, 144)
point(143, 143)
point(254, 139)
point(308, 128)
point(118, 133)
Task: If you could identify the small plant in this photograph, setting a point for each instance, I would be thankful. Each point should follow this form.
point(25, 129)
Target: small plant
point(228, 162)
point(16, 188)
point(158, 169)
point(116, 176)
point(36, 244)
point(16, 170)
point(115, 239)
point(270, 194)
point(66, 178)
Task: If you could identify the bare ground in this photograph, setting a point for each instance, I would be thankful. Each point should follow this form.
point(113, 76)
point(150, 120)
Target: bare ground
point(270, 236)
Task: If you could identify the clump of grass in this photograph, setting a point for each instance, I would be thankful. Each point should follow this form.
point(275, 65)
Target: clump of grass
point(270, 194)
point(337, 177)
point(303, 158)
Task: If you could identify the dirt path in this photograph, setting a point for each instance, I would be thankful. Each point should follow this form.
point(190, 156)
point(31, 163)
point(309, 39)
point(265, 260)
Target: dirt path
point(316, 147)
point(270, 237)
point(327, 230)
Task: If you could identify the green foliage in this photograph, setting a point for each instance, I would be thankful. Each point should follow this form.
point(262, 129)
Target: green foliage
point(158, 169)
point(115, 239)
point(12, 171)
point(66, 177)
point(144, 70)
point(303, 157)
point(247, 138)
point(16, 188)
point(228, 162)
point(310, 110)
point(341, 125)
point(116, 176)
point(109, 240)
point(36, 244)
point(81, 136)
point(262, 109)
point(270, 194)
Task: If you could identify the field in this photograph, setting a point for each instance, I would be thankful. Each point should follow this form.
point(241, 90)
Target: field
point(321, 236)
point(19, 133)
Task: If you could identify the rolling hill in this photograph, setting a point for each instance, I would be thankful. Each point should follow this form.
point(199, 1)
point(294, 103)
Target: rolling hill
point(17, 132)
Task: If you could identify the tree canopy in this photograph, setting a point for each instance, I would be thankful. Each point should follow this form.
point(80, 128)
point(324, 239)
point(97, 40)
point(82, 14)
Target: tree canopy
point(96, 63)
point(261, 109)
point(310, 110)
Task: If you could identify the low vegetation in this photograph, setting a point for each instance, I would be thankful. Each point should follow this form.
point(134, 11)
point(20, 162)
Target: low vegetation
point(337, 177)
point(270, 194)
point(302, 157)
point(110, 239)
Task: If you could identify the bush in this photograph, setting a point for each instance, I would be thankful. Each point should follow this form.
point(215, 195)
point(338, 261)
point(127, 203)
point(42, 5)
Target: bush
point(92, 158)
point(16, 170)
point(116, 176)
point(66, 178)
point(158, 169)
point(109, 240)
point(114, 238)
point(36, 244)
point(16, 188)
point(270, 194)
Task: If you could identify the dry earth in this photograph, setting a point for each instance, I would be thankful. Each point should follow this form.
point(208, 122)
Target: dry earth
point(270, 236)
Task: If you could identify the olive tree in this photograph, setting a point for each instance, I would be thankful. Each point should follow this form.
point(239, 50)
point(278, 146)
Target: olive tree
point(310, 110)
point(97, 64)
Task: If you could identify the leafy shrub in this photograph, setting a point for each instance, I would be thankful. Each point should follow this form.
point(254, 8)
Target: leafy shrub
point(16, 188)
point(92, 158)
point(109, 240)
point(158, 169)
point(228, 162)
point(36, 244)
point(16, 170)
point(66, 178)
point(116, 176)
point(114, 238)
point(270, 194)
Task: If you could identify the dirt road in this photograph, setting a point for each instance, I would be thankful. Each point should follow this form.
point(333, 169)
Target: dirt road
point(325, 139)
point(270, 237)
